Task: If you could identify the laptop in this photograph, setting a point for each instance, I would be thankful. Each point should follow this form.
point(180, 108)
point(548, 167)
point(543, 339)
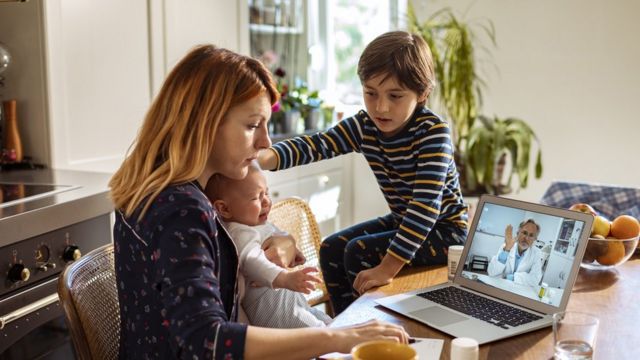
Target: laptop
point(485, 303)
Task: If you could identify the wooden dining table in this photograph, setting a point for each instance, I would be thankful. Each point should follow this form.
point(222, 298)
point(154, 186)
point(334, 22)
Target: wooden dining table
point(613, 295)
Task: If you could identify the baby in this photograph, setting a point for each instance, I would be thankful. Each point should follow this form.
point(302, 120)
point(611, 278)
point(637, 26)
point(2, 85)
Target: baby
point(273, 295)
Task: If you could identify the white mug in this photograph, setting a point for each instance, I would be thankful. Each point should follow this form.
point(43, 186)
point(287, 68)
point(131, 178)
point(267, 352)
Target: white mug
point(464, 349)
point(453, 259)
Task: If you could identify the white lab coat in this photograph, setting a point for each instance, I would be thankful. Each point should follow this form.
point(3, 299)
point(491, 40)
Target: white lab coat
point(529, 270)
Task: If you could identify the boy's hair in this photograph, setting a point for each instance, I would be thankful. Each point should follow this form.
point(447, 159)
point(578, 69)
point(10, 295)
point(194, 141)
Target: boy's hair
point(402, 55)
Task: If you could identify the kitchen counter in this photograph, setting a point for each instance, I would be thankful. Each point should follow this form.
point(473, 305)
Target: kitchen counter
point(82, 196)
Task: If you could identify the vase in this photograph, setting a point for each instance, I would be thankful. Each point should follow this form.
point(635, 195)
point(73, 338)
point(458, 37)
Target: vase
point(291, 120)
point(312, 119)
point(12, 141)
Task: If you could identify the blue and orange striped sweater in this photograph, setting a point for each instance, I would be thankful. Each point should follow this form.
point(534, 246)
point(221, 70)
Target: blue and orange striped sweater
point(414, 169)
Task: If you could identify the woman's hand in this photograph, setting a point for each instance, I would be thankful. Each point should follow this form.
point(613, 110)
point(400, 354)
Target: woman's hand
point(299, 259)
point(348, 337)
point(281, 250)
point(379, 275)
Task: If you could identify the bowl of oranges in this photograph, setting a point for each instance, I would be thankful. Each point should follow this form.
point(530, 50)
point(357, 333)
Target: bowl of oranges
point(612, 242)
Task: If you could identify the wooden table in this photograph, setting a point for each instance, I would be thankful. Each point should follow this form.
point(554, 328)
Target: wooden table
point(614, 295)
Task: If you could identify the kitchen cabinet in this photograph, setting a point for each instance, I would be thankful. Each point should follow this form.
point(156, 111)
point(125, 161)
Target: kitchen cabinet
point(84, 73)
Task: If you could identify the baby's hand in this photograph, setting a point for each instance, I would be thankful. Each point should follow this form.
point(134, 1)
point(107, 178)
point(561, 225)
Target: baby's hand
point(297, 280)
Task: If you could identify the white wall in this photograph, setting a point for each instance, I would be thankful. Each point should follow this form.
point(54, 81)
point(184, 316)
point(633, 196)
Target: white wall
point(570, 69)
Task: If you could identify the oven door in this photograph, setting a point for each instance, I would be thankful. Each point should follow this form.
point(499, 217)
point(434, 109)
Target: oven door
point(32, 324)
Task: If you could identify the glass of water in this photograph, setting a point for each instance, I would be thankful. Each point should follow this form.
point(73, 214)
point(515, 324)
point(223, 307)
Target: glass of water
point(574, 335)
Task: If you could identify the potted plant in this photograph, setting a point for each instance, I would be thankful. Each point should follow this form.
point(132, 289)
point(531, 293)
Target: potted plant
point(490, 146)
point(310, 104)
point(481, 144)
point(295, 103)
point(286, 114)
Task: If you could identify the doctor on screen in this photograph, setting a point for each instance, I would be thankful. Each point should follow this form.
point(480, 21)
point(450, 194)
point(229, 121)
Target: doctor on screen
point(520, 264)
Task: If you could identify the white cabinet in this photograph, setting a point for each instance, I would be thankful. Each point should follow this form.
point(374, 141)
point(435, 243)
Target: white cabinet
point(84, 72)
point(97, 80)
point(325, 185)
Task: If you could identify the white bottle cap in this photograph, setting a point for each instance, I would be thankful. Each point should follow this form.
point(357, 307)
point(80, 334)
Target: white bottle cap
point(464, 349)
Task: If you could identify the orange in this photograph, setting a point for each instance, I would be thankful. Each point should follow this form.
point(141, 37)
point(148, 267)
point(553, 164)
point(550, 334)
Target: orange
point(625, 227)
point(597, 246)
point(615, 253)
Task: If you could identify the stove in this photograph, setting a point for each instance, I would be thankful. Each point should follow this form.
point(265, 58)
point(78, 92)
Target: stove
point(16, 193)
point(48, 219)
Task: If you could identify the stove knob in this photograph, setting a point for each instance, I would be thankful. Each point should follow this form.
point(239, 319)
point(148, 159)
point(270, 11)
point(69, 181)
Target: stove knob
point(71, 253)
point(18, 273)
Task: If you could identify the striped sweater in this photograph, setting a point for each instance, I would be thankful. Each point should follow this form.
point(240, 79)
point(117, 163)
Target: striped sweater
point(414, 169)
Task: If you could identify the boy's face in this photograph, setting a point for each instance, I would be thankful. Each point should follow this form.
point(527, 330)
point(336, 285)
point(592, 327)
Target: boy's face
point(248, 201)
point(389, 104)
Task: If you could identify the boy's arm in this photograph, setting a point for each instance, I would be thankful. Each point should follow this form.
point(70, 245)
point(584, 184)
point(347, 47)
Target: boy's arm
point(343, 138)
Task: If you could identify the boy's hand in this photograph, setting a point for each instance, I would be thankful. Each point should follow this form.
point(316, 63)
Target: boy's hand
point(267, 159)
point(297, 280)
point(370, 278)
point(379, 275)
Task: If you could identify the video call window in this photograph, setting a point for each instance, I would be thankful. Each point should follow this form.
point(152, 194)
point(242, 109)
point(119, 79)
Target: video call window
point(540, 260)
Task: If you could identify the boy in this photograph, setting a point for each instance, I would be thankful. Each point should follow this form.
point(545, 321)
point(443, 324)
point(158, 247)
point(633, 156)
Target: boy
point(410, 152)
point(273, 295)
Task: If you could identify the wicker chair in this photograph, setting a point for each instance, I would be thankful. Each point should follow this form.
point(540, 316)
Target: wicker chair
point(294, 216)
point(89, 297)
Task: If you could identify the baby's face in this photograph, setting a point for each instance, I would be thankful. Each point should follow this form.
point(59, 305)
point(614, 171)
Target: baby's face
point(249, 201)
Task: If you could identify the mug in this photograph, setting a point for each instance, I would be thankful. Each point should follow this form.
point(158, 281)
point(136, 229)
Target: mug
point(453, 259)
point(383, 350)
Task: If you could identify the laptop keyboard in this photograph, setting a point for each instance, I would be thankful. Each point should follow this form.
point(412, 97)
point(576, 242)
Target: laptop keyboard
point(480, 307)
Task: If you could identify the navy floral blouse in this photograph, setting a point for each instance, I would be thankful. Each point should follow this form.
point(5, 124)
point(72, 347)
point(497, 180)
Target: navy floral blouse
point(176, 274)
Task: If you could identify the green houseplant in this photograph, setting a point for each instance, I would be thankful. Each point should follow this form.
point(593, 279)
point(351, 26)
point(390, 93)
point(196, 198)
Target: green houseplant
point(483, 145)
point(488, 148)
point(296, 102)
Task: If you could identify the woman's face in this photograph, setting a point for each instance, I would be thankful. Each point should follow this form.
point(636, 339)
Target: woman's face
point(242, 133)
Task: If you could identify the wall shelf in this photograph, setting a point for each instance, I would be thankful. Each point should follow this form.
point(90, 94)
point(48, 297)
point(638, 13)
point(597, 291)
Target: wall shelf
point(273, 29)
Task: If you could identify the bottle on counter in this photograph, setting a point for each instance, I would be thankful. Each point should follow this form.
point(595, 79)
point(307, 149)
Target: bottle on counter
point(12, 141)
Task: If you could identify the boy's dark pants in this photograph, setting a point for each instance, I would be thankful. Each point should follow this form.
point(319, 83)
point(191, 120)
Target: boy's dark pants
point(362, 246)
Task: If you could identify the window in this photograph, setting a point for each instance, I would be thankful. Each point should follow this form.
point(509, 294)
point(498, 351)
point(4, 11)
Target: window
point(339, 30)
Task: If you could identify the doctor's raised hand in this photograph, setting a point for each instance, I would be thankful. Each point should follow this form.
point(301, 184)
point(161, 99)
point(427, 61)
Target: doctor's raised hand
point(508, 238)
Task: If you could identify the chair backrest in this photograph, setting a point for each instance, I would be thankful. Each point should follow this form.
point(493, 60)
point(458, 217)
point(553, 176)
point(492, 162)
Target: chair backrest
point(294, 216)
point(89, 297)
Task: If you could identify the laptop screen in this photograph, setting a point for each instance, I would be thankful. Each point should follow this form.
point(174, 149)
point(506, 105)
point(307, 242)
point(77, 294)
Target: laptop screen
point(523, 252)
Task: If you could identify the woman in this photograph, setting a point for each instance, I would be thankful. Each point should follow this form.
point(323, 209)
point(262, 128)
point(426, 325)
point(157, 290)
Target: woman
point(176, 267)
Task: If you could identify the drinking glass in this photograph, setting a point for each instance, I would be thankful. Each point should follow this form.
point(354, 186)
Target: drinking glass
point(574, 335)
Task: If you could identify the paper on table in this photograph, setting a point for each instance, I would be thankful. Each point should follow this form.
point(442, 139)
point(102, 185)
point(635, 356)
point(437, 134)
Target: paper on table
point(427, 349)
